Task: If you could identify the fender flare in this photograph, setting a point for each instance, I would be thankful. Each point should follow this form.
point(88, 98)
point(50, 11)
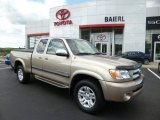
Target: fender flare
point(22, 62)
point(86, 72)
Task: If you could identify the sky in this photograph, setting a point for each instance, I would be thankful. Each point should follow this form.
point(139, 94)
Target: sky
point(14, 14)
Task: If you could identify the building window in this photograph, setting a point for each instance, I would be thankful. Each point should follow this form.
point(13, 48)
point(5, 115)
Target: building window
point(85, 34)
point(33, 39)
point(118, 41)
point(95, 30)
point(148, 43)
point(118, 38)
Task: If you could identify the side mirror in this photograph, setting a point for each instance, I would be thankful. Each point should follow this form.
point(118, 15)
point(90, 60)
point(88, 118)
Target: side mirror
point(62, 52)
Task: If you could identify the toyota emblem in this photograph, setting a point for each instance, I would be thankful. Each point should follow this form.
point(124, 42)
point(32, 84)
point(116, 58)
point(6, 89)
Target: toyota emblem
point(63, 14)
point(101, 37)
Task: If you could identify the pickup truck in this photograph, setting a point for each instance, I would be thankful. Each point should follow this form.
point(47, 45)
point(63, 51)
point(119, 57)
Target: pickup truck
point(76, 64)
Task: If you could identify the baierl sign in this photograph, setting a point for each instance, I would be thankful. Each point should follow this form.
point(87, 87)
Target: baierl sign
point(62, 16)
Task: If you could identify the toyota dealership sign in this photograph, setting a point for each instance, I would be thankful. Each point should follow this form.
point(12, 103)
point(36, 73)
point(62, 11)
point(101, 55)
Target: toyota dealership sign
point(62, 16)
point(101, 37)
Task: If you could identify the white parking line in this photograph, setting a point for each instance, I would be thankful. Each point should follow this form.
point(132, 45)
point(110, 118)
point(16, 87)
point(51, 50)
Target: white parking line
point(4, 68)
point(153, 73)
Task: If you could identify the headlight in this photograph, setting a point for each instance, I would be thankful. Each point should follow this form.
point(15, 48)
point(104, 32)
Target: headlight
point(119, 74)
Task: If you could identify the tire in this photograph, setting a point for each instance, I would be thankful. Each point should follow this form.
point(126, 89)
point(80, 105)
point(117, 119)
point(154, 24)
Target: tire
point(22, 76)
point(159, 67)
point(88, 96)
point(146, 61)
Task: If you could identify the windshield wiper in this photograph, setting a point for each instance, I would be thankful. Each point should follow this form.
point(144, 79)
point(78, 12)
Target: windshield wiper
point(84, 54)
point(98, 53)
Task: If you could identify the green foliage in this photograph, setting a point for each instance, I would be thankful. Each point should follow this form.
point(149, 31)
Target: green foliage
point(5, 51)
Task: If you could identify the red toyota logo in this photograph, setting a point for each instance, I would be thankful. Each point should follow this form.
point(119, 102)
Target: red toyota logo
point(101, 37)
point(63, 14)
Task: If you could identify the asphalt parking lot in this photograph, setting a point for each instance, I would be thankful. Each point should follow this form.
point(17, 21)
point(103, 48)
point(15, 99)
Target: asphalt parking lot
point(40, 101)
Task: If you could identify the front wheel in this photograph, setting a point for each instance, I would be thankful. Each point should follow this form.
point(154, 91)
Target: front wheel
point(22, 76)
point(88, 96)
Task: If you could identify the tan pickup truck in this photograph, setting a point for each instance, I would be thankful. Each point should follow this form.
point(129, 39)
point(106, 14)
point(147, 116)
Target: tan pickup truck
point(92, 78)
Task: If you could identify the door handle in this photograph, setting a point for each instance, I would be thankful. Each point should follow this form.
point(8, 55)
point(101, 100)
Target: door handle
point(46, 58)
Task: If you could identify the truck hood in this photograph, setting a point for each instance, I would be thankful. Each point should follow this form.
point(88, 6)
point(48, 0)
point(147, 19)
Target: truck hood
point(111, 62)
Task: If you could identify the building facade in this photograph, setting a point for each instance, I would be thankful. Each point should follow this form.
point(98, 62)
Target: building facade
point(34, 31)
point(112, 26)
point(152, 42)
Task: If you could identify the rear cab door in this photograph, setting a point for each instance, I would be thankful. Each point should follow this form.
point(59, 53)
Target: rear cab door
point(38, 56)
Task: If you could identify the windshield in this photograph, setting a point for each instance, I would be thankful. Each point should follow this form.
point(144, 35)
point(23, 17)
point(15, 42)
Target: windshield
point(82, 47)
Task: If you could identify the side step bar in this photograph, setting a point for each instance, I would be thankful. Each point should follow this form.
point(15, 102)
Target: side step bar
point(50, 82)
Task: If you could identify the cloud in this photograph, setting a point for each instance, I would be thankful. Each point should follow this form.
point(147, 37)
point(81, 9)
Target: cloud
point(14, 14)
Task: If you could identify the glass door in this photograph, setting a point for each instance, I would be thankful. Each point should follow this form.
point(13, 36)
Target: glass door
point(157, 51)
point(102, 47)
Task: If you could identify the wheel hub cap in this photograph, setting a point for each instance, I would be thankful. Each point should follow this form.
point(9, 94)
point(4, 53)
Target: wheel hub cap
point(20, 74)
point(86, 97)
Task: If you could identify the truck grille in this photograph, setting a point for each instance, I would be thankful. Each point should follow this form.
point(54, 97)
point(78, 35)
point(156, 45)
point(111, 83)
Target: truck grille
point(136, 73)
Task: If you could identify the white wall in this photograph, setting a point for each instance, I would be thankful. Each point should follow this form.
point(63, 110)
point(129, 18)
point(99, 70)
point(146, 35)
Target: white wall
point(94, 12)
point(153, 11)
point(34, 27)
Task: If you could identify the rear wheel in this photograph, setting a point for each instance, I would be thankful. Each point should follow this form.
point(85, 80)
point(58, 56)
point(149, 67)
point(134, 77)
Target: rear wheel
point(88, 96)
point(22, 76)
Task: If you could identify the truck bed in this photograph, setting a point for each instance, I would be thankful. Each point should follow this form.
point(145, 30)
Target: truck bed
point(24, 56)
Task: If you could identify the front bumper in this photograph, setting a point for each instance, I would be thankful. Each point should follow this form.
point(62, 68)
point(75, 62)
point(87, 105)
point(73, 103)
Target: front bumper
point(121, 92)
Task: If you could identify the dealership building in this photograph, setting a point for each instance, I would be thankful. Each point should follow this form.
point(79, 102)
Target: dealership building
point(112, 26)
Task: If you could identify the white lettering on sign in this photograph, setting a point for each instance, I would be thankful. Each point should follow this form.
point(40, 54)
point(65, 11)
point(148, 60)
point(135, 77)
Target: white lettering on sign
point(154, 22)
